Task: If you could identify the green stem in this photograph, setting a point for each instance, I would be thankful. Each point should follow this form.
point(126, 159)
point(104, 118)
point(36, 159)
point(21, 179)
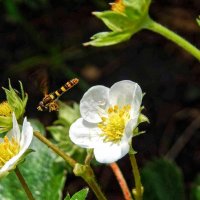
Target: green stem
point(24, 184)
point(58, 151)
point(138, 191)
point(95, 188)
point(165, 32)
point(86, 172)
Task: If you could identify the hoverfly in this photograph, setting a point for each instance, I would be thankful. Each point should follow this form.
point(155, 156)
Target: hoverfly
point(49, 100)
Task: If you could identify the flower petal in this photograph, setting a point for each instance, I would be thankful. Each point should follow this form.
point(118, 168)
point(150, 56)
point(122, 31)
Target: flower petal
point(26, 135)
point(15, 132)
point(109, 152)
point(126, 93)
point(84, 134)
point(93, 103)
point(26, 138)
point(11, 164)
point(131, 125)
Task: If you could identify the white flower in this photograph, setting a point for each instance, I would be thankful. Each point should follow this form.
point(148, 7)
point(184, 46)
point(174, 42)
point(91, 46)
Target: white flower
point(109, 116)
point(14, 145)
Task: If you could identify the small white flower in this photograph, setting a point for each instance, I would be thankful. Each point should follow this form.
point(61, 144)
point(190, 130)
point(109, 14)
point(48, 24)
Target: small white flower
point(109, 116)
point(14, 145)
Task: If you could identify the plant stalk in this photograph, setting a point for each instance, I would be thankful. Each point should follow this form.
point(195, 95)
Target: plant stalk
point(180, 41)
point(58, 151)
point(24, 184)
point(87, 173)
point(122, 182)
point(138, 191)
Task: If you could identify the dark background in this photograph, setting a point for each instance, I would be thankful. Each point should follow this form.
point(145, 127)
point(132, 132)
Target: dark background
point(45, 37)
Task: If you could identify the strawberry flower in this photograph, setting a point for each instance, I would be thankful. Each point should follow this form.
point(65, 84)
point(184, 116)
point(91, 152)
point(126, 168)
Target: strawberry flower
point(14, 145)
point(108, 119)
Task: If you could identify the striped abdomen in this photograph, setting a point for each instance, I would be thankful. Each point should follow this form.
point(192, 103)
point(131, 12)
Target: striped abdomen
point(68, 85)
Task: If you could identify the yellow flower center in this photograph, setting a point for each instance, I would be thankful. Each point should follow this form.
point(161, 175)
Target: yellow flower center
point(5, 109)
point(8, 149)
point(113, 126)
point(118, 6)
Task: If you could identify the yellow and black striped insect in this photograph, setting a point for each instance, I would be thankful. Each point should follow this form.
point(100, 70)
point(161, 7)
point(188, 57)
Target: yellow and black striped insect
point(49, 101)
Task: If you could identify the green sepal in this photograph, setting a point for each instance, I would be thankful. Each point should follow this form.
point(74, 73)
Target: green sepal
point(17, 103)
point(122, 24)
point(142, 118)
point(136, 132)
point(5, 124)
point(131, 150)
point(108, 38)
point(114, 21)
point(137, 7)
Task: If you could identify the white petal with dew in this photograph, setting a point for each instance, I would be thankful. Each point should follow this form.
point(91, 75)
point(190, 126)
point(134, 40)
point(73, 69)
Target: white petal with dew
point(84, 134)
point(93, 103)
point(109, 152)
point(126, 93)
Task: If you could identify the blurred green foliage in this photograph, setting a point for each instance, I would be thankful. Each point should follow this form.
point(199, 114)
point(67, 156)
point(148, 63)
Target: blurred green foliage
point(162, 180)
point(60, 131)
point(195, 192)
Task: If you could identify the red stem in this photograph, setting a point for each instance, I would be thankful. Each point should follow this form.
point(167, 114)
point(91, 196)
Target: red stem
point(124, 187)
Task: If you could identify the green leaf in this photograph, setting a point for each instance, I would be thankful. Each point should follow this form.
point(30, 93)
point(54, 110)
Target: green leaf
point(114, 20)
point(43, 175)
point(81, 195)
point(195, 192)
point(108, 38)
point(162, 180)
